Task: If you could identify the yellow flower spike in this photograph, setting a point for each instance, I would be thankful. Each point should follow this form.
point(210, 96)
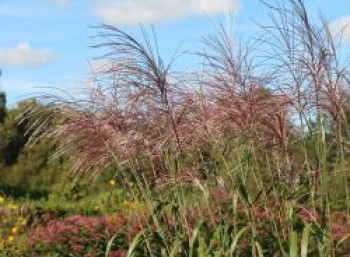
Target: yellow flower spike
point(96, 207)
point(14, 230)
point(112, 182)
point(11, 238)
point(2, 199)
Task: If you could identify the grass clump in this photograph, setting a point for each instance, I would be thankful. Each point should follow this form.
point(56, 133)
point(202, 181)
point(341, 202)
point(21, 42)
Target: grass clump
point(247, 157)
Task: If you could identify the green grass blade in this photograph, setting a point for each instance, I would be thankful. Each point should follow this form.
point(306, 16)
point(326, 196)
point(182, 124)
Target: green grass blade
point(194, 239)
point(260, 251)
point(215, 237)
point(293, 244)
point(109, 244)
point(236, 239)
point(343, 239)
point(137, 240)
point(174, 248)
point(305, 240)
point(202, 247)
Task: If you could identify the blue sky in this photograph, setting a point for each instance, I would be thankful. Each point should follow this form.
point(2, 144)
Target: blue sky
point(46, 43)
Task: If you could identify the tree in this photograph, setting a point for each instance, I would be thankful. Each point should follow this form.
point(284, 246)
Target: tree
point(25, 165)
point(2, 107)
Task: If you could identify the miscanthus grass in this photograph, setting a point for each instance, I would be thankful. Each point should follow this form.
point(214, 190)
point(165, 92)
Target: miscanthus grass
point(247, 157)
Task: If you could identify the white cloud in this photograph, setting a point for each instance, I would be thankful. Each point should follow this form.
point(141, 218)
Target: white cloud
point(60, 2)
point(342, 27)
point(133, 12)
point(22, 55)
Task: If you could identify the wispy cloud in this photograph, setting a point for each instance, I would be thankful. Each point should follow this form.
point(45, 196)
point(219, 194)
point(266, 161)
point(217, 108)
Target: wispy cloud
point(133, 12)
point(22, 55)
point(342, 27)
point(100, 66)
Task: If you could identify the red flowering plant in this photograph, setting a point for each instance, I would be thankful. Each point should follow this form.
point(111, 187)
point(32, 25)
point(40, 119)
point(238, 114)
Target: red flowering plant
point(79, 236)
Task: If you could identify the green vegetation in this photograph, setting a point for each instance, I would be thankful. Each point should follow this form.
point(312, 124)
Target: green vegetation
point(248, 160)
point(25, 169)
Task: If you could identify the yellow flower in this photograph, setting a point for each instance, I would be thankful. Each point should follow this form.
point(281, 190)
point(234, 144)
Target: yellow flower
point(2, 200)
point(126, 203)
point(14, 230)
point(11, 238)
point(136, 204)
point(1, 244)
point(24, 222)
point(11, 206)
point(112, 182)
point(96, 207)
